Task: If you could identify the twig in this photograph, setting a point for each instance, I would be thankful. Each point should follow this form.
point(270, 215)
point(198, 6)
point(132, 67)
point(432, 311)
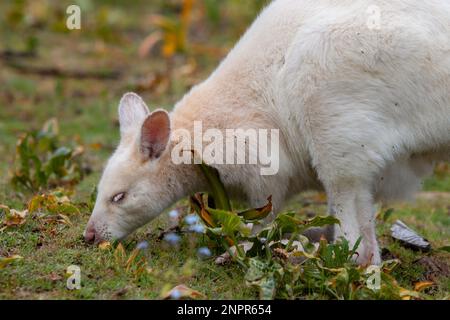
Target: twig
point(176, 229)
point(56, 72)
point(10, 54)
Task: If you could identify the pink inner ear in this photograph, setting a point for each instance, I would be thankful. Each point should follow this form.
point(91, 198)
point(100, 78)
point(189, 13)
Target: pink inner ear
point(155, 134)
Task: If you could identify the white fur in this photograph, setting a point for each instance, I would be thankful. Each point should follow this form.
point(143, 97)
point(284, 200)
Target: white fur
point(362, 113)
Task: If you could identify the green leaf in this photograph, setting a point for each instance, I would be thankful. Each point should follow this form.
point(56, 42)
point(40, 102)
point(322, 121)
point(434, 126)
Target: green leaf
point(216, 187)
point(256, 270)
point(267, 288)
point(320, 221)
point(288, 223)
point(355, 246)
point(40, 161)
point(387, 214)
point(230, 222)
point(56, 162)
point(444, 248)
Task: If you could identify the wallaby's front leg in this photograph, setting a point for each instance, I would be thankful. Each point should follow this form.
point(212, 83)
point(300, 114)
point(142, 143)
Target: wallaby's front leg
point(352, 204)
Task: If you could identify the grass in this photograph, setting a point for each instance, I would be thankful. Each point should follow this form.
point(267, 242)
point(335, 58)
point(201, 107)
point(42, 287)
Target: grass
point(86, 110)
point(46, 257)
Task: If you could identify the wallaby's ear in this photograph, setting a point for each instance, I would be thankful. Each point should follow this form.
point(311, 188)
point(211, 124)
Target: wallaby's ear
point(132, 111)
point(155, 134)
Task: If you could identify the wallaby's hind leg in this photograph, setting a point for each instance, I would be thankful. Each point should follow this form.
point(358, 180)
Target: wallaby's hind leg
point(402, 179)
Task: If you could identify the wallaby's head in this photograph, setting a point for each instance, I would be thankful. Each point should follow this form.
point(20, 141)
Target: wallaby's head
point(139, 180)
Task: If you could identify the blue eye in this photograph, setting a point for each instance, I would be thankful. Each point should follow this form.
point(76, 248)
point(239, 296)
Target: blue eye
point(118, 197)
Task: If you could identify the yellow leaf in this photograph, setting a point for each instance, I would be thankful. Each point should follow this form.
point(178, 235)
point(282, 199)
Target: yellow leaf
point(186, 12)
point(40, 202)
point(335, 270)
point(170, 45)
point(79, 150)
point(104, 245)
point(51, 126)
point(406, 294)
point(303, 254)
point(120, 254)
point(5, 261)
point(96, 146)
point(131, 258)
point(420, 286)
point(51, 203)
point(65, 219)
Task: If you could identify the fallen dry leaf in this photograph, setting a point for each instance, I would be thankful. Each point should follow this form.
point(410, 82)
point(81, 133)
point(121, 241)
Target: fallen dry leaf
point(408, 294)
point(13, 217)
point(420, 286)
point(258, 213)
point(223, 259)
point(183, 292)
point(104, 245)
point(55, 277)
point(64, 219)
point(121, 292)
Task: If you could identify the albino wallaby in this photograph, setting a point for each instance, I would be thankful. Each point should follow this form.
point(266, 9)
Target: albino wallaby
point(359, 91)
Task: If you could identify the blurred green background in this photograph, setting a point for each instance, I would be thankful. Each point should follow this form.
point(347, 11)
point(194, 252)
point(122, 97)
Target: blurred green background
point(158, 49)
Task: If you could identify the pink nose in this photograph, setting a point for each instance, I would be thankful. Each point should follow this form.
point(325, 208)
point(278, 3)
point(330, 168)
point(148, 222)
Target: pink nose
point(90, 235)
